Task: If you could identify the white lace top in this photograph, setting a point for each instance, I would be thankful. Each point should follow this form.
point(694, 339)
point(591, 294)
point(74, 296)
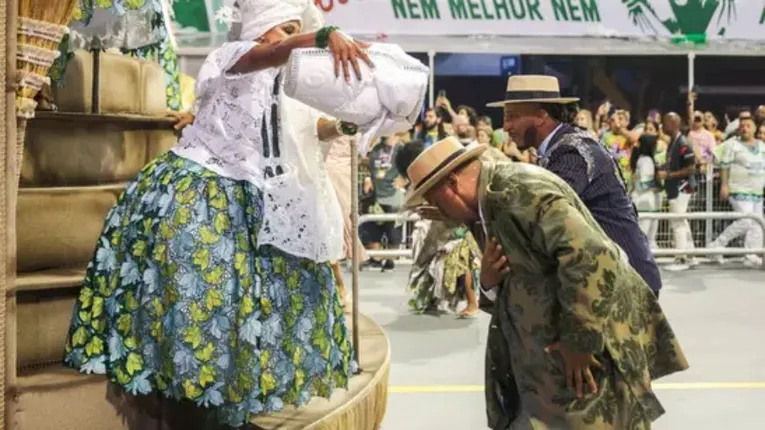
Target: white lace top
point(246, 129)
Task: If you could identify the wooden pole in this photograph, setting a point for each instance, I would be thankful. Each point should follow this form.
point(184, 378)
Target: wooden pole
point(9, 172)
point(355, 251)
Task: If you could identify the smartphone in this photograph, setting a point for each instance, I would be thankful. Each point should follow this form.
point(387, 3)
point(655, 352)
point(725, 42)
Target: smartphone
point(442, 93)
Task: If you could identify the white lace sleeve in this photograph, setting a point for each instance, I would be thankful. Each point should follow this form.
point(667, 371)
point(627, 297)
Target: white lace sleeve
point(217, 63)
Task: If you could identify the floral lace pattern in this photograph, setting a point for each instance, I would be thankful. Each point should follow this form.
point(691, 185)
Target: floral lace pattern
point(246, 129)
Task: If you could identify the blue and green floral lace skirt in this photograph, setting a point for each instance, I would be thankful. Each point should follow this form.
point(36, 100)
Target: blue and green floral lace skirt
point(179, 300)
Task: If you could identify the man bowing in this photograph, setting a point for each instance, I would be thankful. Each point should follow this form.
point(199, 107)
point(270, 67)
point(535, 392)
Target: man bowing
point(578, 336)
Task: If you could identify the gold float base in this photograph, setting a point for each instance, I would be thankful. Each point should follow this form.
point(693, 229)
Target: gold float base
point(57, 398)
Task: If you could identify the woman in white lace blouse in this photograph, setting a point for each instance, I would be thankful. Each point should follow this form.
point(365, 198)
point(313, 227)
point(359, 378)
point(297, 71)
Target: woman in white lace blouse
point(211, 280)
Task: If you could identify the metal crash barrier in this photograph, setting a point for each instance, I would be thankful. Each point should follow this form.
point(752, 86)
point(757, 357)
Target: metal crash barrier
point(661, 252)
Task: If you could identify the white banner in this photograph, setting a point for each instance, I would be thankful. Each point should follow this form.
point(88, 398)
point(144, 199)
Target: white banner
point(696, 19)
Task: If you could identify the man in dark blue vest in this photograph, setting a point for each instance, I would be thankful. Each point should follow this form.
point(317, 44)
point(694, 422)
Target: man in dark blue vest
point(535, 115)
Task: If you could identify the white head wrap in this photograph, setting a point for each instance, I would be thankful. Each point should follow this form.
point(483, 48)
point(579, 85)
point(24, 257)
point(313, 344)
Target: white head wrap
point(251, 19)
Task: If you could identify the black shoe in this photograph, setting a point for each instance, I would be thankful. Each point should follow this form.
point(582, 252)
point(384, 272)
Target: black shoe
point(371, 264)
point(388, 265)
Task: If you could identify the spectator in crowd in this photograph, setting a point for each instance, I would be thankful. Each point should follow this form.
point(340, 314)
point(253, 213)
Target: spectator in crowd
point(484, 135)
point(742, 179)
point(761, 132)
point(582, 162)
point(759, 115)
point(711, 124)
point(584, 121)
point(432, 129)
point(388, 198)
point(701, 139)
point(731, 129)
point(618, 141)
point(679, 179)
point(470, 113)
point(462, 130)
point(645, 190)
point(497, 135)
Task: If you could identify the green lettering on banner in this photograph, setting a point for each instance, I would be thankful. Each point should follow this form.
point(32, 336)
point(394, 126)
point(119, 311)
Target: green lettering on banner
point(533, 6)
point(458, 9)
point(398, 9)
point(415, 9)
point(495, 9)
point(762, 16)
point(430, 9)
point(473, 8)
point(590, 10)
point(576, 10)
point(413, 12)
point(486, 13)
point(518, 8)
point(500, 5)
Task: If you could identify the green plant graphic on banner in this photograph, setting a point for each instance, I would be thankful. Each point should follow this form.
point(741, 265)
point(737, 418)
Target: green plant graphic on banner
point(682, 17)
point(191, 14)
point(198, 15)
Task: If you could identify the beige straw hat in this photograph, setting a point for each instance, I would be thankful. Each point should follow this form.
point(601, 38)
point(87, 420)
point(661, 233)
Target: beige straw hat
point(435, 163)
point(533, 89)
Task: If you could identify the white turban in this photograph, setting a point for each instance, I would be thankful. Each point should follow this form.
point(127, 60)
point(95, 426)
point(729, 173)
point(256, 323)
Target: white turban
point(251, 19)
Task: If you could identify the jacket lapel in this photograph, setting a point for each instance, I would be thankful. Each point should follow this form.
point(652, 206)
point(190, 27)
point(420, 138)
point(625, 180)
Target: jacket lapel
point(543, 160)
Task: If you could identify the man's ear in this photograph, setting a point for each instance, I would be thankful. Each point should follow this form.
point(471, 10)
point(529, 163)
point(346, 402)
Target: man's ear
point(453, 181)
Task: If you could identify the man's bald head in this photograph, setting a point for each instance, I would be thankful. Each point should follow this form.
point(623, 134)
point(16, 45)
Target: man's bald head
point(672, 122)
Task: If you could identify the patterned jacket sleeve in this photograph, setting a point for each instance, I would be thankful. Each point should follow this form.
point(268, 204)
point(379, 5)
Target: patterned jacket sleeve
point(584, 259)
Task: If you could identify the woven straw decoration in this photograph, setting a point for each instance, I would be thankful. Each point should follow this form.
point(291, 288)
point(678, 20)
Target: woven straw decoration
point(41, 26)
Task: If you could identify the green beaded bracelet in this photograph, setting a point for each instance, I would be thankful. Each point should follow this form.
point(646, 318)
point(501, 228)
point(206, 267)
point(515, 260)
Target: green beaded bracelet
point(347, 128)
point(322, 36)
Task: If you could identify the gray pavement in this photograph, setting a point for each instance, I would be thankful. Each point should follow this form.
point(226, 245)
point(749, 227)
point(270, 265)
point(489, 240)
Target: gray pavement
point(717, 313)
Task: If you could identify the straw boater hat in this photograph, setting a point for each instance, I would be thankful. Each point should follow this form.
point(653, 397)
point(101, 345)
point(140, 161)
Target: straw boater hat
point(533, 89)
point(435, 163)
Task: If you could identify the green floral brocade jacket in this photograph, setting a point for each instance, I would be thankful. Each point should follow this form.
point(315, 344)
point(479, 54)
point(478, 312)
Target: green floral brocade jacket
point(569, 283)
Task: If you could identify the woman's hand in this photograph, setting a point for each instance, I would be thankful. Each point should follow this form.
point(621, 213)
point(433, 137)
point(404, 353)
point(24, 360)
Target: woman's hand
point(184, 119)
point(347, 52)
